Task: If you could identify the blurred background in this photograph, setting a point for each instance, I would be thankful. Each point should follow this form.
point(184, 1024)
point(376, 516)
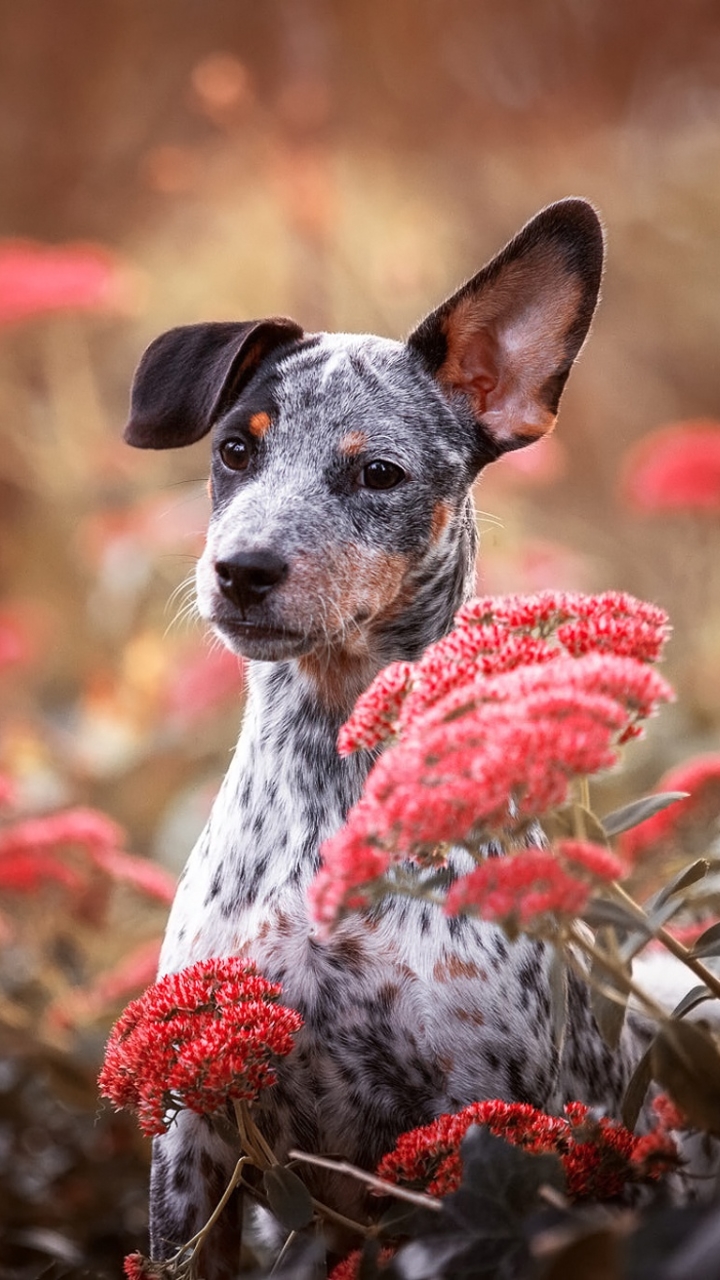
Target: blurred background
point(347, 164)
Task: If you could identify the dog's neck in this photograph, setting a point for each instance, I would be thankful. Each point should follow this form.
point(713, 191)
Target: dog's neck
point(287, 789)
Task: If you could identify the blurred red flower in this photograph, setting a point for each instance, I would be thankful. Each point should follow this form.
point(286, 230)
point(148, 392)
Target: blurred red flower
point(36, 278)
point(202, 682)
point(532, 882)
point(13, 640)
point(688, 826)
point(349, 1268)
point(675, 468)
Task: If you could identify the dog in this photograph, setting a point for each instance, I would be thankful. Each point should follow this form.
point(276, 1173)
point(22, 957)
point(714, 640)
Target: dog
point(343, 538)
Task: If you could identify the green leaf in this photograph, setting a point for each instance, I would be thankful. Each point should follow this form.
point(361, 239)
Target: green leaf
point(708, 944)
point(638, 1085)
point(609, 1012)
point(690, 1001)
point(288, 1198)
point(602, 911)
point(685, 877)
point(686, 1062)
point(631, 815)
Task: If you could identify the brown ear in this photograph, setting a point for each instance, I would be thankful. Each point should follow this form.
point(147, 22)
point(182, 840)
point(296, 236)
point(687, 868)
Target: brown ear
point(507, 339)
point(187, 377)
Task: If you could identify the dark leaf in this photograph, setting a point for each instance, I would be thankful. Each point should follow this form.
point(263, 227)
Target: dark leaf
point(592, 1255)
point(609, 1012)
point(686, 1062)
point(497, 1170)
point(708, 944)
point(675, 1244)
point(690, 1001)
point(401, 1219)
point(638, 1085)
point(631, 815)
point(685, 877)
point(600, 911)
point(367, 1269)
point(288, 1198)
point(657, 918)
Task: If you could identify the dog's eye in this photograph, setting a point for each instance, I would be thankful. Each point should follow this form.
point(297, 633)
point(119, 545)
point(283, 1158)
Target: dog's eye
point(235, 454)
point(382, 474)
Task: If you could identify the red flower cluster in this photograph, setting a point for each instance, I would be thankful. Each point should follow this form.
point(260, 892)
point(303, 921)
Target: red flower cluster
point(675, 468)
point(493, 635)
point(517, 889)
point(138, 1267)
point(494, 722)
point(197, 1039)
point(484, 758)
point(688, 825)
point(599, 1156)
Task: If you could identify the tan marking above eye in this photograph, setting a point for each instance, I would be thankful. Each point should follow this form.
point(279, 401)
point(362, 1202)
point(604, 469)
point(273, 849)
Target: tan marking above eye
point(353, 443)
point(258, 424)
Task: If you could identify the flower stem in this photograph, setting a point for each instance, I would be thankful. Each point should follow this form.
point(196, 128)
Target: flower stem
point(195, 1244)
point(251, 1138)
point(378, 1184)
point(655, 1010)
point(682, 953)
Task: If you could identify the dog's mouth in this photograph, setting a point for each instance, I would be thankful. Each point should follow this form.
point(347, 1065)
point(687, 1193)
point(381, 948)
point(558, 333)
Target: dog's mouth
point(262, 640)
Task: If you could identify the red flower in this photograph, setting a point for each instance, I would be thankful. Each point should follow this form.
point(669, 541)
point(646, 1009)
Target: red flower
point(13, 643)
point(688, 825)
point(197, 1039)
point(137, 1267)
point(344, 882)
point(376, 711)
point(530, 883)
point(494, 722)
point(495, 635)
point(486, 760)
point(202, 683)
point(108, 989)
point(86, 828)
point(675, 468)
point(349, 1268)
point(36, 278)
point(7, 791)
point(599, 1156)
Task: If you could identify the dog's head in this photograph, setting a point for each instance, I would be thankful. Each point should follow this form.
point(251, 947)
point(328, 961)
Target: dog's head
point(342, 464)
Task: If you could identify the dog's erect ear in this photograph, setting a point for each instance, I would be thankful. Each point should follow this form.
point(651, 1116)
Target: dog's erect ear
point(507, 339)
point(189, 375)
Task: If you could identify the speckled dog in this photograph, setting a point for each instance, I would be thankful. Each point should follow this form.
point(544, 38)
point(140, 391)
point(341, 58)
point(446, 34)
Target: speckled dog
point(343, 538)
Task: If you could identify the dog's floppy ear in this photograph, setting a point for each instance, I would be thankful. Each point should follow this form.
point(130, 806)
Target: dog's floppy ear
point(188, 375)
point(507, 339)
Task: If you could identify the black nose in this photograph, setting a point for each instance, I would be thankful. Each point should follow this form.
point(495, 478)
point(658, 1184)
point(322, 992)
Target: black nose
point(246, 578)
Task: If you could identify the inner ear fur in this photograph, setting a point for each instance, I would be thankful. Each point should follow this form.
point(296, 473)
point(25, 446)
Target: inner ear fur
point(188, 376)
point(506, 341)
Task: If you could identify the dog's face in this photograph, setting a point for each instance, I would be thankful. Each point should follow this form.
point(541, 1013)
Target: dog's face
point(342, 465)
point(339, 473)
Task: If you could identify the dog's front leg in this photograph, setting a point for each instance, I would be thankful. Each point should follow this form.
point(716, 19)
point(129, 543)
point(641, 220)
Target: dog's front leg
point(191, 1167)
